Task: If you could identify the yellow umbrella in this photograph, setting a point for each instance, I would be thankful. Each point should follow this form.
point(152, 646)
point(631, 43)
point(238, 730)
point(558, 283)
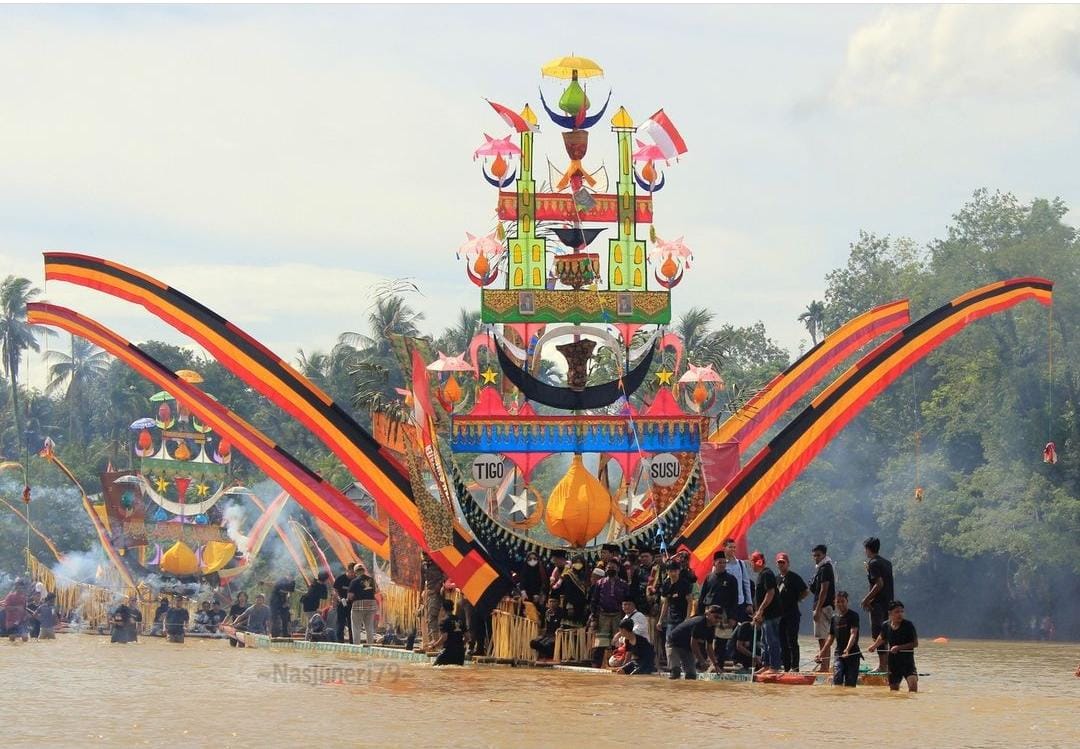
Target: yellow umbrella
point(566, 67)
point(189, 375)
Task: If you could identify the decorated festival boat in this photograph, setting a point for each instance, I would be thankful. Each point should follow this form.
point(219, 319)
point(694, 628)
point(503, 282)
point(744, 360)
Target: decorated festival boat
point(575, 418)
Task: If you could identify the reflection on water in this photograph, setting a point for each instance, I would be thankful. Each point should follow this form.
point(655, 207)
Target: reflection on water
point(80, 689)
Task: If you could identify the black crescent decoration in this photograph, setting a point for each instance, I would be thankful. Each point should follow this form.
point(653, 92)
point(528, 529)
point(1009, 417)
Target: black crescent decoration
point(570, 123)
point(507, 550)
point(498, 183)
point(594, 396)
point(654, 187)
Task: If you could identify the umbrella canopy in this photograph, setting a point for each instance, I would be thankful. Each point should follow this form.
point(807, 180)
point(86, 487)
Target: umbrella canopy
point(497, 147)
point(144, 423)
point(566, 67)
point(450, 364)
point(701, 374)
point(161, 395)
point(648, 152)
point(189, 375)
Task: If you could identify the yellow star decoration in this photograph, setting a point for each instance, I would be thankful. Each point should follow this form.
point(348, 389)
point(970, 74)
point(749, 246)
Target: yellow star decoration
point(202, 490)
point(664, 376)
point(161, 484)
point(489, 376)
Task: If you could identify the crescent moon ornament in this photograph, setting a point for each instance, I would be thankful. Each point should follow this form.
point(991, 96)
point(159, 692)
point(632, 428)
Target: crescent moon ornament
point(509, 178)
point(649, 187)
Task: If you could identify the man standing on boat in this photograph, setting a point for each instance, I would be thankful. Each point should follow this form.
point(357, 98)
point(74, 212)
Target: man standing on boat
point(791, 589)
point(341, 592)
point(823, 588)
point(767, 612)
point(740, 570)
point(876, 601)
point(721, 589)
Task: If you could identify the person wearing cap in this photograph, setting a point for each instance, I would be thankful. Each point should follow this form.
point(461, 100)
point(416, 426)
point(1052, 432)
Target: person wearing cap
point(608, 552)
point(605, 604)
point(767, 612)
point(740, 570)
point(362, 605)
point(721, 589)
point(791, 589)
point(572, 588)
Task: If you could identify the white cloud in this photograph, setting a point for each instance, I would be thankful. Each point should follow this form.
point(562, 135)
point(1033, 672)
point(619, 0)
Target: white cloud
point(915, 56)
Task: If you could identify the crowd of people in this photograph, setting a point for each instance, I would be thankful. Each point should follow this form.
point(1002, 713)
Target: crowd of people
point(742, 615)
point(642, 612)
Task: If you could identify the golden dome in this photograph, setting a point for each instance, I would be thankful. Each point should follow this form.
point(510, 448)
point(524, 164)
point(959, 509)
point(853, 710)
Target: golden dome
point(579, 506)
point(179, 560)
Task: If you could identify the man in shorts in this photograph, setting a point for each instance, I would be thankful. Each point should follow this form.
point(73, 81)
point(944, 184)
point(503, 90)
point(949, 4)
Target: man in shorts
point(899, 636)
point(879, 574)
point(823, 589)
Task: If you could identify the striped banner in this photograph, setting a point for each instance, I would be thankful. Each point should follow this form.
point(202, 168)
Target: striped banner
point(778, 464)
point(316, 495)
point(755, 417)
point(464, 561)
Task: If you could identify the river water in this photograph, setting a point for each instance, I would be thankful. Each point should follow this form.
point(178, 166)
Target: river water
point(80, 690)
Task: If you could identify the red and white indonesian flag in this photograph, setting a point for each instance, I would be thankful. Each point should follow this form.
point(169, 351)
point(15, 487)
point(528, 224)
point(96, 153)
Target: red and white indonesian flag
point(660, 129)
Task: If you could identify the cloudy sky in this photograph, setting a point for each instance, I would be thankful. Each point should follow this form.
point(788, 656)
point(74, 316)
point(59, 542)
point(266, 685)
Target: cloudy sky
point(276, 162)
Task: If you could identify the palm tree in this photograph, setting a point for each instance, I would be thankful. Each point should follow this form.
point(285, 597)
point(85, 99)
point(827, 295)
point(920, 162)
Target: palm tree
point(16, 336)
point(701, 345)
point(76, 372)
point(814, 320)
point(458, 336)
point(391, 316)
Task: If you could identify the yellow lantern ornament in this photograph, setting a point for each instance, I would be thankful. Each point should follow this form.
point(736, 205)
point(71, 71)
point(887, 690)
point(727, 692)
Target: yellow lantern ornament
point(579, 506)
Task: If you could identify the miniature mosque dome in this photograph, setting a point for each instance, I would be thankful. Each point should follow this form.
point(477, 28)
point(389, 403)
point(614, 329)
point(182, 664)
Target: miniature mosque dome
point(579, 506)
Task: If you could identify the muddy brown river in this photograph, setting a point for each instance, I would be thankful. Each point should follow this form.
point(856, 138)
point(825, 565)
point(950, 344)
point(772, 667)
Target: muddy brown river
point(80, 690)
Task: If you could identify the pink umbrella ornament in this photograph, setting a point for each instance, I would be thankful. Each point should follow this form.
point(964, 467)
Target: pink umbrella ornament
point(648, 152)
point(450, 364)
point(496, 147)
point(701, 374)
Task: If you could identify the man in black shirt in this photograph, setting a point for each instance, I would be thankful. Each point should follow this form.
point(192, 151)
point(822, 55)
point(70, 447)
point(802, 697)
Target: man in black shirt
point(309, 602)
point(686, 643)
point(341, 592)
point(641, 653)
point(743, 645)
point(280, 623)
point(675, 591)
point(767, 611)
point(844, 631)
point(720, 588)
point(901, 639)
point(791, 589)
point(451, 639)
point(823, 588)
point(879, 574)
